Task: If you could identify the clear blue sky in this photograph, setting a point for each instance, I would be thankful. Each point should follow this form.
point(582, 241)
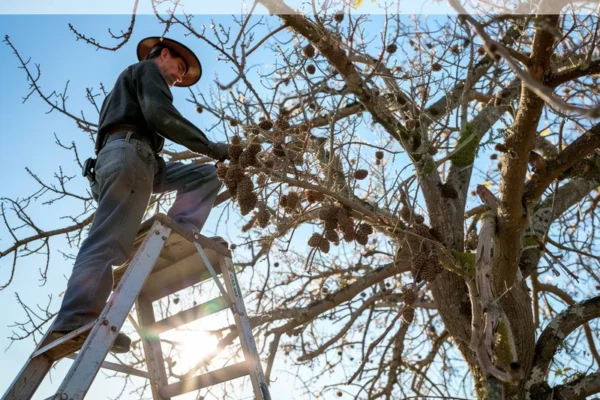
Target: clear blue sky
point(226, 7)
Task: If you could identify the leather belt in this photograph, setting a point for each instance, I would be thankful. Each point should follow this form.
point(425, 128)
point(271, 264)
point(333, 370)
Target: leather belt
point(123, 135)
point(120, 132)
point(122, 128)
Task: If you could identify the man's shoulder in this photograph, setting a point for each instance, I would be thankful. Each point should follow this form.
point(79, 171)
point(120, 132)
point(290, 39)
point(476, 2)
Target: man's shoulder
point(142, 66)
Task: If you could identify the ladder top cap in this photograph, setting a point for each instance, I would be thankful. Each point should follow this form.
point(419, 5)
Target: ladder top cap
point(186, 234)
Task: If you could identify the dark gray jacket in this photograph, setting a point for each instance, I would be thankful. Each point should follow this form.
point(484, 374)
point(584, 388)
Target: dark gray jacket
point(142, 98)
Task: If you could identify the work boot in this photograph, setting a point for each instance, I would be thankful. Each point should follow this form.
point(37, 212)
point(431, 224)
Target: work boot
point(122, 343)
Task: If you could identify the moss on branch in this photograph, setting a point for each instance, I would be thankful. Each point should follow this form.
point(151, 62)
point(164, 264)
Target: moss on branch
point(466, 155)
point(465, 264)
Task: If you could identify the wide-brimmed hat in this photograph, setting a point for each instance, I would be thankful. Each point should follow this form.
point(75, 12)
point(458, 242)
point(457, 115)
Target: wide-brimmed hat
point(194, 71)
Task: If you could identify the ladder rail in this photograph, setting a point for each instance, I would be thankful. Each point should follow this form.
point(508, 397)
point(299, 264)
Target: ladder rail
point(259, 381)
point(29, 378)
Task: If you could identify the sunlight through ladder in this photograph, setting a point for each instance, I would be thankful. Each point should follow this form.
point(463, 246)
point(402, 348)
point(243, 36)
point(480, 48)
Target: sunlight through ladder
point(168, 258)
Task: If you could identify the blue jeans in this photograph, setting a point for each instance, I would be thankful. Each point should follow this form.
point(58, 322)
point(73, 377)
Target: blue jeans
point(127, 173)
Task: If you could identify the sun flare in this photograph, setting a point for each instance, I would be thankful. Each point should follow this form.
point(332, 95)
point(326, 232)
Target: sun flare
point(192, 344)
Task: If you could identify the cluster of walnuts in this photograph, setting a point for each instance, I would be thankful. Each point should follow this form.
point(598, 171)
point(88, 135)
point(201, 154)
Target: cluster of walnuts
point(261, 217)
point(337, 220)
point(278, 137)
point(233, 175)
point(240, 185)
point(425, 265)
point(291, 201)
point(410, 297)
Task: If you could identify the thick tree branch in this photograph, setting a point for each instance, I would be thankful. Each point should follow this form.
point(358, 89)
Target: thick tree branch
point(534, 81)
point(579, 389)
point(549, 211)
point(580, 148)
point(570, 74)
point(555, 333)
point(47, 234)
point(569, 300)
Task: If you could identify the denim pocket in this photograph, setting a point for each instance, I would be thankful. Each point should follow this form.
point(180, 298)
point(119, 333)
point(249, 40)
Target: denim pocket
point(111, 159)
point(144, 152)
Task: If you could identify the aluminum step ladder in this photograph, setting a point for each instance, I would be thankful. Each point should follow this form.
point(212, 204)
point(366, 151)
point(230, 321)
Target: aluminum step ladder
point(167, 258)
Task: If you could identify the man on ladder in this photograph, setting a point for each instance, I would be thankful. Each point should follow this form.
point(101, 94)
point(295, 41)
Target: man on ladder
point(135, 118)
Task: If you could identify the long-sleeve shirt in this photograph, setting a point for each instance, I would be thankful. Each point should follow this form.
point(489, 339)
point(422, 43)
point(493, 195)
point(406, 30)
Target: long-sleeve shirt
point(142, 98)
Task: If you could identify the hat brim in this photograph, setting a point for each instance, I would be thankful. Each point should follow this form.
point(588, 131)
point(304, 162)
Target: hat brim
point(194, 71)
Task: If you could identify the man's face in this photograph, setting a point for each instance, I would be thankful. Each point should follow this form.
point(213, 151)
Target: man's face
point(173, 68)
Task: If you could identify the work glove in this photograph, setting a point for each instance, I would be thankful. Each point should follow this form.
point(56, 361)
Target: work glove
point(221, 151)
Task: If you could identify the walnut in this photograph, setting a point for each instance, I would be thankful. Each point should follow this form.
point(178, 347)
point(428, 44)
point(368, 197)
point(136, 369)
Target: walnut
point(360, 174)
point(235, 151)
point(309, 51)
point(265, 125)
point(263, 217)
point(247, 202)
point(314, 196)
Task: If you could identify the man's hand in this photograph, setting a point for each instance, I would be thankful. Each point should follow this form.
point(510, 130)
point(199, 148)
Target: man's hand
point(221, 151)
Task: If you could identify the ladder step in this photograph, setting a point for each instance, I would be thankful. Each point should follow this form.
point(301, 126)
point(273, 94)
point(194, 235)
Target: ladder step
point(63, 346)
point(191, 314)
point(205, 380)
point(181, 275)
point(180, 266)
point(118, 367)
